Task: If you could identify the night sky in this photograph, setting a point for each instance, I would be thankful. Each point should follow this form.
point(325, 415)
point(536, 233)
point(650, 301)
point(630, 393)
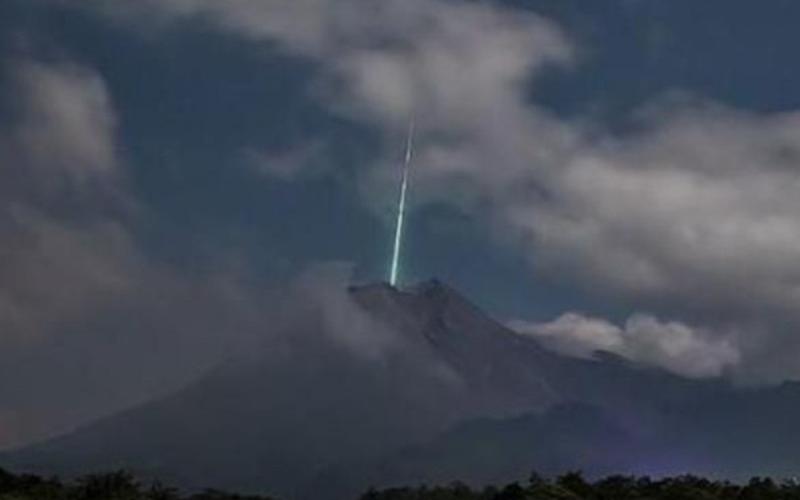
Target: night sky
point(622, 175)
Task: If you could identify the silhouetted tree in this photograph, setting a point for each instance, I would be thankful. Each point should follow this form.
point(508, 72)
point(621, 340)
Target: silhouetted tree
point(574, 482)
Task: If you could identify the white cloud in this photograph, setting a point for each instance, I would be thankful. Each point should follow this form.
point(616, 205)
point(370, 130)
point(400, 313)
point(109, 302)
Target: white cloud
point(448, 60)
point(67, 125)
point(62, 255)
point(321, 292)
point(673, 346)
point(700, 207)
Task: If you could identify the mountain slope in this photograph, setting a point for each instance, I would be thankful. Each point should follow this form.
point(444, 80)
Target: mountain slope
point(384, 385)
point(309, 402)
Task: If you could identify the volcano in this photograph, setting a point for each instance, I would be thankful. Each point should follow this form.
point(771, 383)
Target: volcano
point(390, 386)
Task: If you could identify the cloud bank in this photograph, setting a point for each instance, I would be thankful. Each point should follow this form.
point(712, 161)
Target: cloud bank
point(59, 166)
point(89, 322)
point(674, 346)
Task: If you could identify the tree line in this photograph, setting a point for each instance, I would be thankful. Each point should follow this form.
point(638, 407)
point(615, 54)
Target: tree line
point(572, 486)
point(118, 485)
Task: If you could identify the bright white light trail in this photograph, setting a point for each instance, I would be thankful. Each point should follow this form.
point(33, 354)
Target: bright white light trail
point(401, 207)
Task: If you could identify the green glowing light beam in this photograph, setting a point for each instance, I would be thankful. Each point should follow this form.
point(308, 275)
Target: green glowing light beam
point(401, 208)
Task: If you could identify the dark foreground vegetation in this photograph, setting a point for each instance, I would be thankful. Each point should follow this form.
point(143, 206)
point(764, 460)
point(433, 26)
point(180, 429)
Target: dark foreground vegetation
point(574, 487)
point(122, 486)
point(112, 486)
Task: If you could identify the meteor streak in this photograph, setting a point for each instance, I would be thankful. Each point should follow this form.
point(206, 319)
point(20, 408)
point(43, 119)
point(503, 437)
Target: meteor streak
point(401, 207)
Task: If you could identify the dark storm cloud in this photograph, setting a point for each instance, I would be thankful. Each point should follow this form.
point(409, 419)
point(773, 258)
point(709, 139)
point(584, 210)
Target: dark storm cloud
point(89, 323)
point(60, 147)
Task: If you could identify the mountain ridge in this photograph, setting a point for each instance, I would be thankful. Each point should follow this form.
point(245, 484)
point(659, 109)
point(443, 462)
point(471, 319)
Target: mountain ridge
point(445, 384)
